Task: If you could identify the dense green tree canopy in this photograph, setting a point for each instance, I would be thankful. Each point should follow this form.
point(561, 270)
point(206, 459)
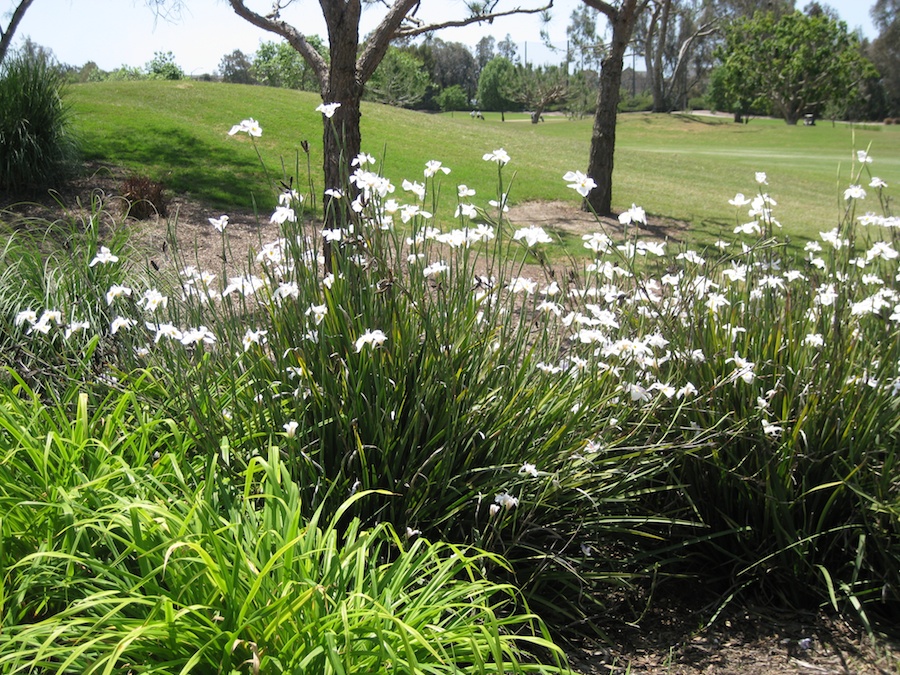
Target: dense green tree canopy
point(492, 85)
point(400, 80)
point(453, 63)
point(796, 62)
point(537, 88)
point(447, 64)
point(453, 98)
point(278, 64)
point(163, 67)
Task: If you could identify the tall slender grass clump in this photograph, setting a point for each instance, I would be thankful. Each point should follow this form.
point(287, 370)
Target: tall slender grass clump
point(37, 147)
point(388, 353)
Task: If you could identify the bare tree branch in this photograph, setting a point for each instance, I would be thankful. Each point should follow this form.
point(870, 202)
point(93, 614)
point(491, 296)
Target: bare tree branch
point(603, 7)
point(382, 36)
point(475, 18)
point(6, 36)
point(296, 39)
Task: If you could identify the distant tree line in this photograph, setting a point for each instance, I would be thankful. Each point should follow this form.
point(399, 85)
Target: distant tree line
point(689, 53)
point(161, 67)
point(729, 55)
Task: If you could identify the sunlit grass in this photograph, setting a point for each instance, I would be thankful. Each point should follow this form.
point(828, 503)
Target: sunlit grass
point(681, 167)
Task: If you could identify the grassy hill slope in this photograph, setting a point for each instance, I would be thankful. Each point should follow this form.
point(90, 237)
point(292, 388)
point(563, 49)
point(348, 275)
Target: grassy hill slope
point(682, 167)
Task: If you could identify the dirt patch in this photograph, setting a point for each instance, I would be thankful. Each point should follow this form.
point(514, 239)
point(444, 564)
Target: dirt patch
point(664, 634)
point(185, 218)
point(569, 218)
point(247, 231)
point(669, 633)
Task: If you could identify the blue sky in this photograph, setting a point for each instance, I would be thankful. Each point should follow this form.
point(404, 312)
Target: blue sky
point(117, 32)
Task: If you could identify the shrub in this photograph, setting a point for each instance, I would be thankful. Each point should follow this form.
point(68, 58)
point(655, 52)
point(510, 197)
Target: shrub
point(146, 197)
point(641, 103)
point(696, 103)
point(126, 73)
point(163, 67)
point(453, 98)
point(37, 148)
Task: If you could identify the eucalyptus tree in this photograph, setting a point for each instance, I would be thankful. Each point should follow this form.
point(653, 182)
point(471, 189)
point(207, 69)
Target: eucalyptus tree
point(728, 10)
point(671, 34)
point(885, 49)
point(679, 39)
point(885, 12)
point(236, 68)
point(452, 63)
point(351, 62)
point(508, 49)
point(485, 50)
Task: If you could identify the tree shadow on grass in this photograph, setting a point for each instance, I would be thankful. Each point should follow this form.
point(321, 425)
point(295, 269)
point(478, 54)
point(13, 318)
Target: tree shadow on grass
point(188, 165)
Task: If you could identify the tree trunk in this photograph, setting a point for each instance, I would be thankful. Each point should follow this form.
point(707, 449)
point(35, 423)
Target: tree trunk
point(789, 110)
point(341, 141)
point(603, 137)
point(341, 137)
point(656, 45)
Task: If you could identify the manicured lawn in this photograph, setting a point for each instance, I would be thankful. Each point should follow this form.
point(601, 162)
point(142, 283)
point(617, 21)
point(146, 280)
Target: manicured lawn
point(679, 166)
